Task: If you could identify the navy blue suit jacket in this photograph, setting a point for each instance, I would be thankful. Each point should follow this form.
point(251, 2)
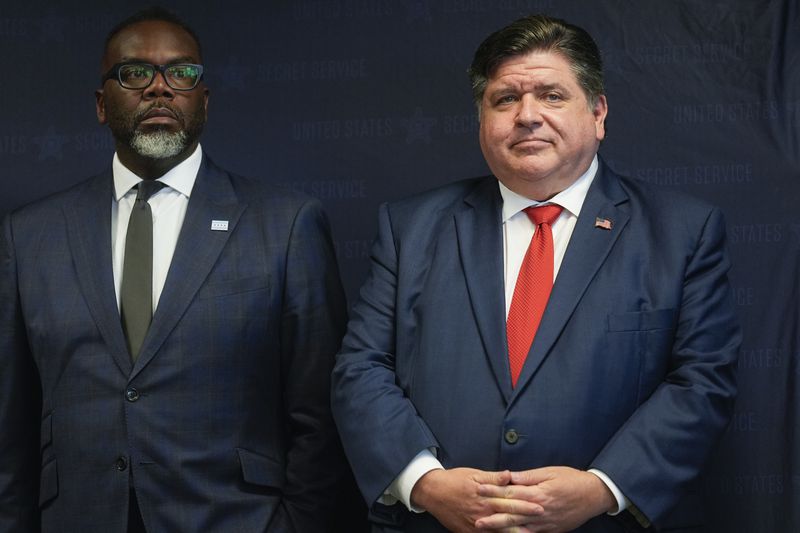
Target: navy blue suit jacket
point(223, 423)
point(631, 371)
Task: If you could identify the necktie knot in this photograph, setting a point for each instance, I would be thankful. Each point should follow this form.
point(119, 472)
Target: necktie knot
point(543, 214)
point(147, 188)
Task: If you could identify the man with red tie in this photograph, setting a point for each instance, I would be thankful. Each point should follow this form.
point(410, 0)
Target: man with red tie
point(548, 348)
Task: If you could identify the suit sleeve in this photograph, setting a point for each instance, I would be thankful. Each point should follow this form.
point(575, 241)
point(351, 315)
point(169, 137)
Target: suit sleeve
point(312, 325)
point(665, 443)
point(380, 428)
point(20, 401)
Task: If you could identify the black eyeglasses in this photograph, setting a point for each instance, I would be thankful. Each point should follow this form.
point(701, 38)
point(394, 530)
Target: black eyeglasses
point(180, 76)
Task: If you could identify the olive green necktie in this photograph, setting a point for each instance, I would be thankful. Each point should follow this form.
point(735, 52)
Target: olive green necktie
point(136, 295)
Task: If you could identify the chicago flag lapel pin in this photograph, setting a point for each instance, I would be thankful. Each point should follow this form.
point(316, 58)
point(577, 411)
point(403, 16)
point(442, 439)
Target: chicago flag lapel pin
point(219, 225)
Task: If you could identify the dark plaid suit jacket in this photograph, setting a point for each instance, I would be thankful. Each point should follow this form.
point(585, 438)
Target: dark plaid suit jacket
point(223, 422)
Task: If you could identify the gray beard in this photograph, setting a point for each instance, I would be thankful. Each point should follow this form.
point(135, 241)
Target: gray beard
point(159, 144)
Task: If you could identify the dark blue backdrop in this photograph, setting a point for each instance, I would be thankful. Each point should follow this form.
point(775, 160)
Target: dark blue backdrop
point(362, 101)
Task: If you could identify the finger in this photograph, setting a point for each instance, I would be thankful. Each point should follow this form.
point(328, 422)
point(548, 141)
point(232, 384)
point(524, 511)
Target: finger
point(531, 477)
point(503, 522)
point(514, 492)
point(514, 507)
point(493, 491)
point(493, 478)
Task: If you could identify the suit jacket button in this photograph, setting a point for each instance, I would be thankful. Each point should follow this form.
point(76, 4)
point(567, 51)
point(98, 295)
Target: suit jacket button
point(511, 436)
point(132, 394)
point(121, 464)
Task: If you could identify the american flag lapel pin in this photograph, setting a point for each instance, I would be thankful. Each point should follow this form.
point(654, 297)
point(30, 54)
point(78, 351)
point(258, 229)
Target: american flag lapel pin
point(603, 223)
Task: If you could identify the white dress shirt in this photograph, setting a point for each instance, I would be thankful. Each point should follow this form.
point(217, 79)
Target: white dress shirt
point(169, 209)
point(518, 231)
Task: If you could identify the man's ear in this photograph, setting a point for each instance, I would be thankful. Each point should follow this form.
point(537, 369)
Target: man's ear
point(100, 106)
point(600, 112)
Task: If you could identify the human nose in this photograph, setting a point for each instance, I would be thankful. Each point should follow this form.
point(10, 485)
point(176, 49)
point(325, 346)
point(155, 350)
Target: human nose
point(529, 113)
point(158, 87)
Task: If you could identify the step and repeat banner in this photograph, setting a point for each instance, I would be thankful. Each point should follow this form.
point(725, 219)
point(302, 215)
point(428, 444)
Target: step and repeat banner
point(358, 102)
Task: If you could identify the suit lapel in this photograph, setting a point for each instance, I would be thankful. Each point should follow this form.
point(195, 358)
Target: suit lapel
point(588, 249)
point(480, 242)
point(89, 232)
point(196, 252)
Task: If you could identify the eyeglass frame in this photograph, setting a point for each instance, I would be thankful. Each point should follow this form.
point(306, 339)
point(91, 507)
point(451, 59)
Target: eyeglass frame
point(113, 73)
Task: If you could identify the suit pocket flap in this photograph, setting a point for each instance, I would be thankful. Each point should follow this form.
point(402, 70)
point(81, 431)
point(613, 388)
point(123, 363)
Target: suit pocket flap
point(48, 487)
point(261, 470)
point(234, 286)
point(643, 321)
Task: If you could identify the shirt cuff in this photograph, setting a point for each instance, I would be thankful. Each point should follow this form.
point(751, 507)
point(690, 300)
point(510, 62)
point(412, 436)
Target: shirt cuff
point(622, 501)
point(400, 488)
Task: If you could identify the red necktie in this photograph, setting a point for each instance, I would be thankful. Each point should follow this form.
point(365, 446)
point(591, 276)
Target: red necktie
point(533, 287)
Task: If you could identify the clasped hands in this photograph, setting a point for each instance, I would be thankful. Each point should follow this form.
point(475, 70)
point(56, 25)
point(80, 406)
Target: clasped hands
point(551, 499)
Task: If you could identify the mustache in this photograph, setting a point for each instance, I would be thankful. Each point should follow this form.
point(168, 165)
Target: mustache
point(141, 115)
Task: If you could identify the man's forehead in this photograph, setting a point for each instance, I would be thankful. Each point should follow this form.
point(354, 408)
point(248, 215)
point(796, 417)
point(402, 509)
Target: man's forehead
point(533, 68)
point(151, 36)
point(535, 60)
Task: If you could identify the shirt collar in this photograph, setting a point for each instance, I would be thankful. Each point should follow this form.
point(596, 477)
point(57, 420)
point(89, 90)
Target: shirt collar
point(181, 177)
point(570, 198)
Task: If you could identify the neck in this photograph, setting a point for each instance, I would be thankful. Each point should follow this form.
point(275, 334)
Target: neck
point(543, 188)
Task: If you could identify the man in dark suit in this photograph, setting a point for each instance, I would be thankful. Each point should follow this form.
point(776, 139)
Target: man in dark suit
point(546, 349)
point(213, 417)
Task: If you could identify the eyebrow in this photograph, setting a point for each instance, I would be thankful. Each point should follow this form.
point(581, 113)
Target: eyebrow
point(543, 88)
point(551, 87)
point(505, 87)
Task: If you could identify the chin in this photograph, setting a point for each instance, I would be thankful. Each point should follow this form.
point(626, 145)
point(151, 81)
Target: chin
point(533, 175)
point(159, 144)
